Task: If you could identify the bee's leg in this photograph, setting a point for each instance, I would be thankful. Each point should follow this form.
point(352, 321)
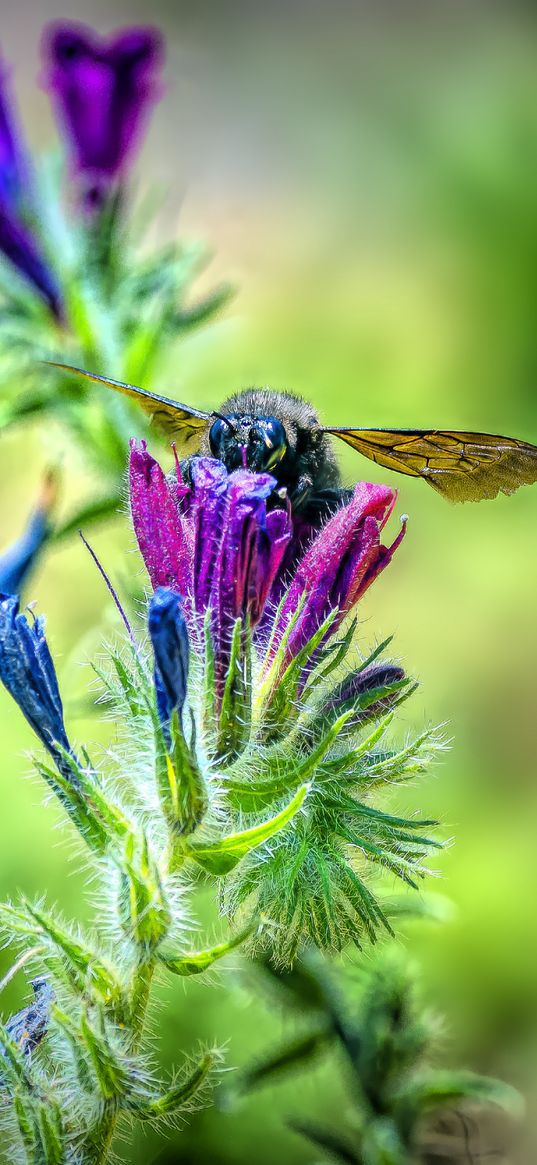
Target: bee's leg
point(300, 494)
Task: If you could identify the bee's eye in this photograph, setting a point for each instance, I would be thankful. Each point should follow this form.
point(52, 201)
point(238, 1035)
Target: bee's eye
point(216, 433)
point(275, 439)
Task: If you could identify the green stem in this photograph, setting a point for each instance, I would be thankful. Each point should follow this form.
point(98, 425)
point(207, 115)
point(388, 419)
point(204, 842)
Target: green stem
point(102, 1137)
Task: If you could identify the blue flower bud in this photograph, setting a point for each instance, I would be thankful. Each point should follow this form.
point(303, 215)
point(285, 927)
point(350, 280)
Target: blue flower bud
point(27, 671)
point(169, 637)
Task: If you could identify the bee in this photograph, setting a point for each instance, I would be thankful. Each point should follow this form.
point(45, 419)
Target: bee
point(280, 433)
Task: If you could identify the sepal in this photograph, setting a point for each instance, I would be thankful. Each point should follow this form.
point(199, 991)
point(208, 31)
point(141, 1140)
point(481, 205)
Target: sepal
point(143, 909)
point(184, 1095)
point(219, 857)
point(195, 962)
point(88, 973)
point(100, 823)
point(41, 1129)
point(181, 785)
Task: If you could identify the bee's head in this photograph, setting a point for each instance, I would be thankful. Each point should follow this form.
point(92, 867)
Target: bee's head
point(258, 443)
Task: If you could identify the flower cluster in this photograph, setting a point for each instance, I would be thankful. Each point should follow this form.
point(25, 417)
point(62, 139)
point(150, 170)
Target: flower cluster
point(77, 284)
point(278, 699)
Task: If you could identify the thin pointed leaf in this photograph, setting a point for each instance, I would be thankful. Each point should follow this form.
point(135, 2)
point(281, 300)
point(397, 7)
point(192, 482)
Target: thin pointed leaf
point(221, 856)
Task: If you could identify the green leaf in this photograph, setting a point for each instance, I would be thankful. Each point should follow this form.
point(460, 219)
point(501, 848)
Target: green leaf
point(424, 905)
point(143, 907)
point(112, 1072)
point(434, 1088)
point(221, 856)
point(182, 1095)
point(251, 796)
point(71, 1032)
point(87, 970)
point(204, 309)
point(279, 692)
point(97, 819)
point(51, 1133)
point(331, 1142)
point(97, 510)
point(298, 1053)
point(195, 962)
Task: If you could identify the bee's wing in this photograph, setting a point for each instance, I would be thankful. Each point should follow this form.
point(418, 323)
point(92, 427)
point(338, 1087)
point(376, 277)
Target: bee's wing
point(186, 425)
point(463, 467)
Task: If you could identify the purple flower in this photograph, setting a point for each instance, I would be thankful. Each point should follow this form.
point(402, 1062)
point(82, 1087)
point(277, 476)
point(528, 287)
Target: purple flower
point(221, 545)
point(23, 251)
point(169, 637)
point(14, 166)
point(340, 564)
point(165, 543)
point(17, 561)
point(215, 542)
point(17, 241)
point(28, 673)
point(102, 91)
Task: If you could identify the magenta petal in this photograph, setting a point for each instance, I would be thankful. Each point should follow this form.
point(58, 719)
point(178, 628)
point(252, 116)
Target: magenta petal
point(157, 523)
point(341, 562)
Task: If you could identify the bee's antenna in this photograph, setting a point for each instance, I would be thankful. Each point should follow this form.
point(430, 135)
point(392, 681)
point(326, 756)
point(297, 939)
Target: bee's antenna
point(226, 420)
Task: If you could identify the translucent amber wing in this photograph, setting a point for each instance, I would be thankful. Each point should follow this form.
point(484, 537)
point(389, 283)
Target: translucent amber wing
point(464, 467)
point(180, 422)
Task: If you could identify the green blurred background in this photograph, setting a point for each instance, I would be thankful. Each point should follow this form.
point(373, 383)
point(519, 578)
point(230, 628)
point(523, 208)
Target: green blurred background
point(367, 176)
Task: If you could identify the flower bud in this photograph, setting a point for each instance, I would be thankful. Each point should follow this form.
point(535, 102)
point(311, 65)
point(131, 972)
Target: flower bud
point(169, 637)
point(371, 691)
point(28, 673)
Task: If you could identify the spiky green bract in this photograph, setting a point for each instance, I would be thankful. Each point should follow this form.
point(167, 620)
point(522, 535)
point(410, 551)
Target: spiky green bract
point(373, 1016)
point(277, 787)
point(313, 881)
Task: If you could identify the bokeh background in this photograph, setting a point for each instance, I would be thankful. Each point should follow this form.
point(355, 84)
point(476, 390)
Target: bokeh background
point(366, 175)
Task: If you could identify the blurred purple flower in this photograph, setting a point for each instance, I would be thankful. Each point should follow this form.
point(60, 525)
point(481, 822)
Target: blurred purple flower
point(14, 165)
point(102, 91)
point(17, 561)
point(23, 251)
point(17, 241)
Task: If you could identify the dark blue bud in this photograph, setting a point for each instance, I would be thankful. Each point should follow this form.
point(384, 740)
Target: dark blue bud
point(373, 690)
point(27, 671)
point(169, 637)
